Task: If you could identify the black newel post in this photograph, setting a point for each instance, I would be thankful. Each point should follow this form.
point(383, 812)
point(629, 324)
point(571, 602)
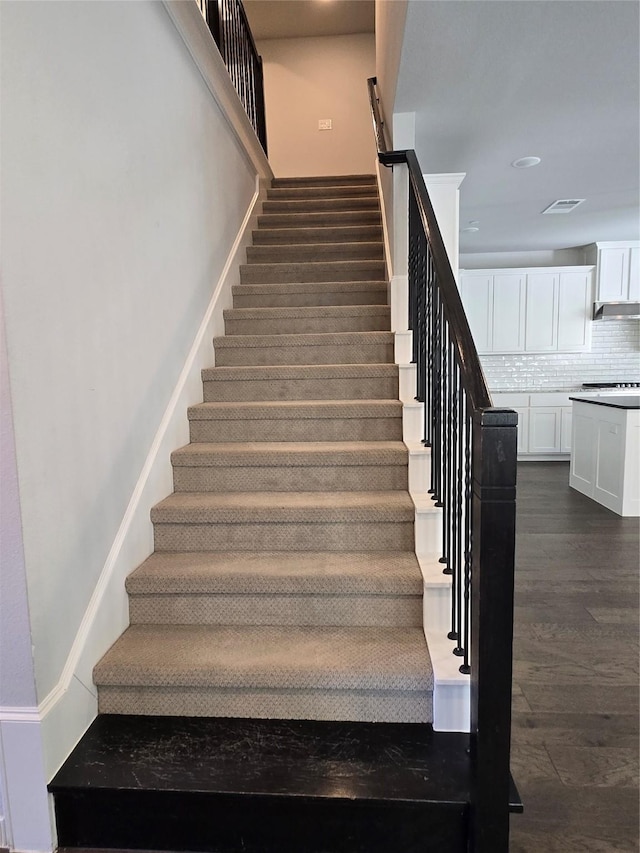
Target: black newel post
point(493, 547)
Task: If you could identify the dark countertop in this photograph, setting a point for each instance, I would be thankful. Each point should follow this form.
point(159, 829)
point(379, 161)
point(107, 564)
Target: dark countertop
point(623, 401)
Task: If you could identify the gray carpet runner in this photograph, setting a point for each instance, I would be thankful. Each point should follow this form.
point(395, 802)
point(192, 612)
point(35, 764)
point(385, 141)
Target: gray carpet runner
point(284, 582)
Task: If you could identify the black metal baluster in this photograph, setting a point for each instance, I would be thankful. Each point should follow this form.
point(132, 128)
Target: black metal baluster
point(455, 492)
point(428, 404)
point(464, 614)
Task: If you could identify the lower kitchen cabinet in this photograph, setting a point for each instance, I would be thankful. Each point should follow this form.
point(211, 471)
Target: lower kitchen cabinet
point(544, 422)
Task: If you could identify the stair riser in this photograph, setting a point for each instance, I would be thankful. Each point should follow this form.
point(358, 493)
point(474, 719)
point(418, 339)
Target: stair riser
point(302, 325)
point(299, 704)
point(227, 823)
point(242, 299)
point(279, 536)
point(301, 389)
point(348, 354)
point(304, 193)
point(312, 272)
point(319, 219)
point(321, 205)
point(315, 252)
point(320, 429)
point(263, 609)
point(290, 236)
point(328, 181)
point(342, 478)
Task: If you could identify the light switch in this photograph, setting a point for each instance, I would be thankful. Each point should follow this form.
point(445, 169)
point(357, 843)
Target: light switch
point(324, 124)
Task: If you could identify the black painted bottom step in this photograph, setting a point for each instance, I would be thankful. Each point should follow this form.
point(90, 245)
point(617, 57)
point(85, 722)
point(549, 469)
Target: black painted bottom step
point(263, 786)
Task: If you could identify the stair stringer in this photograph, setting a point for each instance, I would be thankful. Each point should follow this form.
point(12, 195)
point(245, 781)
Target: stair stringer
point(451, 688)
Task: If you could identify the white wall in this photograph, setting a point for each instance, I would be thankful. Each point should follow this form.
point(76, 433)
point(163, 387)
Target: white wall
point(124, 192)
point(511, 260)
point(391, 18)
point(307, 79)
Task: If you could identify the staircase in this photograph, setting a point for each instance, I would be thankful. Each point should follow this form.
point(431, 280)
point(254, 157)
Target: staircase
point(283, 585)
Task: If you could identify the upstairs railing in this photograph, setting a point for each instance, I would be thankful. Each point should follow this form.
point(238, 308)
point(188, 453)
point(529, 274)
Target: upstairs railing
point(473, 477)
point(228, 23)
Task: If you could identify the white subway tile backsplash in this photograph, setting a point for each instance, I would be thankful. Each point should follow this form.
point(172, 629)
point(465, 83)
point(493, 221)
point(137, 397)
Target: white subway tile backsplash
point(614, 357)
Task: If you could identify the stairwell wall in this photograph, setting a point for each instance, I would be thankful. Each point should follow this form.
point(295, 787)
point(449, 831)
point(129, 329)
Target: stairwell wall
point(307, 79)
point(125, 194)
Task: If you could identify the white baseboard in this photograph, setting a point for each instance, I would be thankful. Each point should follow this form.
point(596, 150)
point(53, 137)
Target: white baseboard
point(68, 710)
point(27, 801)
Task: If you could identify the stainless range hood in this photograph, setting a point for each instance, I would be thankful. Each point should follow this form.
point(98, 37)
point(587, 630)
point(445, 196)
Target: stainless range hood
point(616, 311)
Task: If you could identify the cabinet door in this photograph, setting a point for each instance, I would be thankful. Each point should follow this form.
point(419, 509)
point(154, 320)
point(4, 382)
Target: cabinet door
point(634, 275)
point(544, 430)
point(573, 311)
point(566, 417)
point(613, 274)
point(477, 297)
point(508, 313)
point(523, 430)
point(542, 312)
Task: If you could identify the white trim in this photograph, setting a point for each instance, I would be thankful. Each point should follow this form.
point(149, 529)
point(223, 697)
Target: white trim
point(19, 715)
point(188, 21)
point(449, 179)
point(91, 613)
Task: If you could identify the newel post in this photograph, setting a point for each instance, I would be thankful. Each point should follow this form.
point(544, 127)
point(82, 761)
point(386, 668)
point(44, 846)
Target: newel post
point(493, 548)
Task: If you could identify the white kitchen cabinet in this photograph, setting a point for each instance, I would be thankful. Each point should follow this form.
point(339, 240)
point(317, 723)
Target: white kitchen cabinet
point(566, 414)
point(544, 422)
point(529, 310)
point(477, 296)
point(508, 316)
point(574, 311)
point(544, 430)
point(618, 271)
point(542, 312)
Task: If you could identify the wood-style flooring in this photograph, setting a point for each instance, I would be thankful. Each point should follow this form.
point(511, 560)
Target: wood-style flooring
point(575, 704)
point(575, 670)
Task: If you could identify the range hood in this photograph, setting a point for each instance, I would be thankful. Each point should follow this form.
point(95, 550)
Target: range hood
point(616, 311)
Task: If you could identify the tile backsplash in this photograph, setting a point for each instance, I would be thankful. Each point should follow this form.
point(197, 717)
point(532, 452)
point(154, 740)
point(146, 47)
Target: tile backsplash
point(614, 357)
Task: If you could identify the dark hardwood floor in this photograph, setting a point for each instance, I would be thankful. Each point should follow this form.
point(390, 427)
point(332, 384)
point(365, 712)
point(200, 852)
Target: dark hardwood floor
point(575, 671)
point(575, 706)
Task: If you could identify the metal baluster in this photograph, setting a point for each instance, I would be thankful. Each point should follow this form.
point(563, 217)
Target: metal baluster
point(462, 649)
point(428, 404)
point(444, 494)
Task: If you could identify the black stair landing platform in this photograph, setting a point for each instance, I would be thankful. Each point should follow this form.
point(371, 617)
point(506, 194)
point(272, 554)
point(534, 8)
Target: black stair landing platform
point(264, 786)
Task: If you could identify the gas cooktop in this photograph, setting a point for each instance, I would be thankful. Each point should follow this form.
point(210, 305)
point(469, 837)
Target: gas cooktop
point(611, 384)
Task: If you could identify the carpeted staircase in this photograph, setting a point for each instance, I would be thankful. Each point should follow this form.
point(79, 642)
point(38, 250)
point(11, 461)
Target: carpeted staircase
point(284, 582)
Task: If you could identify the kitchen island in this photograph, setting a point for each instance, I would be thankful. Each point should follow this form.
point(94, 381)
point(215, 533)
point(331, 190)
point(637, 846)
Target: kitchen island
point(605, 451)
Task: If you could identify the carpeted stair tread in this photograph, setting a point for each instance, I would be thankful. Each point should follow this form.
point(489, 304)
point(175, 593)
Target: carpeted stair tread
point(325, 234)
point(278, 572)
point(296, 410)
point(299, 371)
point(283, 507)
point(298, 271)
point(324, 180)
point(316, 252)
point(317, 205)
point(303, 339)
point(324, 311)
point(298, 453)
point(324, 192)
point(321, 218)
point(289, 657)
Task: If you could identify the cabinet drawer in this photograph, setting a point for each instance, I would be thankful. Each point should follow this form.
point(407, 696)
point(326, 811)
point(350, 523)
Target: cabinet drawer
point(554, 398)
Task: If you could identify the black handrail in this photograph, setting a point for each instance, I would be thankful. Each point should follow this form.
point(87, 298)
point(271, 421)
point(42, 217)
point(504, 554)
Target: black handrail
point(473, 477)
point(230, 29)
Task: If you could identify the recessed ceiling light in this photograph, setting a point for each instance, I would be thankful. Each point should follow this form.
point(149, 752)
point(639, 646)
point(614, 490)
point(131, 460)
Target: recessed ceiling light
point(526, 162)
point(470, 229)
point(474, 222)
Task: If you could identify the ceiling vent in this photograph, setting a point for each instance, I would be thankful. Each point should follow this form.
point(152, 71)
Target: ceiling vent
point(563, 205)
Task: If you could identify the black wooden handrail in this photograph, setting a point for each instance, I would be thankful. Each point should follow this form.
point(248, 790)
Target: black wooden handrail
point(232, 34)
point(473, 477)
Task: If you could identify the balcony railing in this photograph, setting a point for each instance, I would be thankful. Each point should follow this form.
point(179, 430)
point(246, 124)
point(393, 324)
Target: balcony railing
point(228, 23)
point(473, 478)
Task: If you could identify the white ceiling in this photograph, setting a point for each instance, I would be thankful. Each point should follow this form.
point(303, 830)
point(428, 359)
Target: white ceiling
point(491, 81)
point(297, 18)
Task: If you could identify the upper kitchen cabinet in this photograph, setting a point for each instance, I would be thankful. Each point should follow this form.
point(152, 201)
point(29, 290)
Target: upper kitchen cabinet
point(618, 271)
point(529, 310)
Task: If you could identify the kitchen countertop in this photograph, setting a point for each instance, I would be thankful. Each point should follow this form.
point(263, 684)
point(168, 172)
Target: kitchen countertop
point(623, 401)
